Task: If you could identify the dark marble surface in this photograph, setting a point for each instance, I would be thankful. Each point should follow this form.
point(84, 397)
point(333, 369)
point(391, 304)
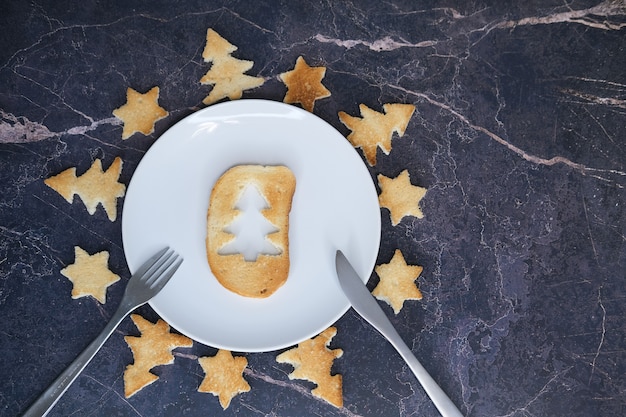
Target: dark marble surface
point(518, 135)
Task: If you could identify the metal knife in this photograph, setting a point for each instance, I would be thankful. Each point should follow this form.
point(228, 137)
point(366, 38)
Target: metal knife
point(366, 305)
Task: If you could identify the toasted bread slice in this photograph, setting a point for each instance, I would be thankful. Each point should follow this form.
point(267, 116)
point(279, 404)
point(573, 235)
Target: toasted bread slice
point(261, 276)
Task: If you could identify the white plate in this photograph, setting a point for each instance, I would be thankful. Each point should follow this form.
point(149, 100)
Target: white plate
point(335, 206)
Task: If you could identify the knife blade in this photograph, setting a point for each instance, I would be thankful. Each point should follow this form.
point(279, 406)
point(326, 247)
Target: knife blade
point(366, 305)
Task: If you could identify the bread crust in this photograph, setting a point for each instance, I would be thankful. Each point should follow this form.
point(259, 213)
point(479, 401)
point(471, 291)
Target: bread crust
point(261, 278)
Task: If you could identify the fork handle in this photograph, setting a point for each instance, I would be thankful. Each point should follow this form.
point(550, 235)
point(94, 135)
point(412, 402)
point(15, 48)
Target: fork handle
point(50, 396)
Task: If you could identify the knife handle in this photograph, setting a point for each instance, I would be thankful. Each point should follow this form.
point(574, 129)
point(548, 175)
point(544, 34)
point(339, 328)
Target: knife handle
point(441, 400)
point(366, 305)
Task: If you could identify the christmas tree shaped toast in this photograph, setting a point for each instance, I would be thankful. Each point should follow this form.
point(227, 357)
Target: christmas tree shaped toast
point(374, 130)
point(227, 73)
point(247, 241)
point(94, 187)
point(313, 361)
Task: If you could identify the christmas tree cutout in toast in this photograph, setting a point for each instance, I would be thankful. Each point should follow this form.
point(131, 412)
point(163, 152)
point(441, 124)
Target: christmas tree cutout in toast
point(250, 228)
point(227, 74)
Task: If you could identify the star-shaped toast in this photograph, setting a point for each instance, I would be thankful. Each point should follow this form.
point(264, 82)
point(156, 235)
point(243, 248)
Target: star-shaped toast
point(312, 361)
point(374, 130)
point(227, 73)
point(154, 347)
point(140, 113)
point(90, 274)
point(400, 196)
point(304, 84)
point(224, 376)
point(94, 187)
point(397, 282)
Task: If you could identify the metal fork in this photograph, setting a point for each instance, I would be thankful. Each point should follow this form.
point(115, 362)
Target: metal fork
point(149, 279)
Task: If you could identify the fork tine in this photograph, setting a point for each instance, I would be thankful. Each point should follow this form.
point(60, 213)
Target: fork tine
point(150, 262)
point(149, 272)
point(161, 267)
point(163, 278)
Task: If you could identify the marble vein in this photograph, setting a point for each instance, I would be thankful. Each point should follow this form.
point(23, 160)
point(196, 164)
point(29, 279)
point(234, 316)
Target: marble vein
point(109, 390)
point(14, 129)
point(78, 223)
point(587, 17)
point(300, 389)
point(591, 239)
point(602, 335)
point(524, 409)
point(592, 99)
point(385, 44)
point(592, 172)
